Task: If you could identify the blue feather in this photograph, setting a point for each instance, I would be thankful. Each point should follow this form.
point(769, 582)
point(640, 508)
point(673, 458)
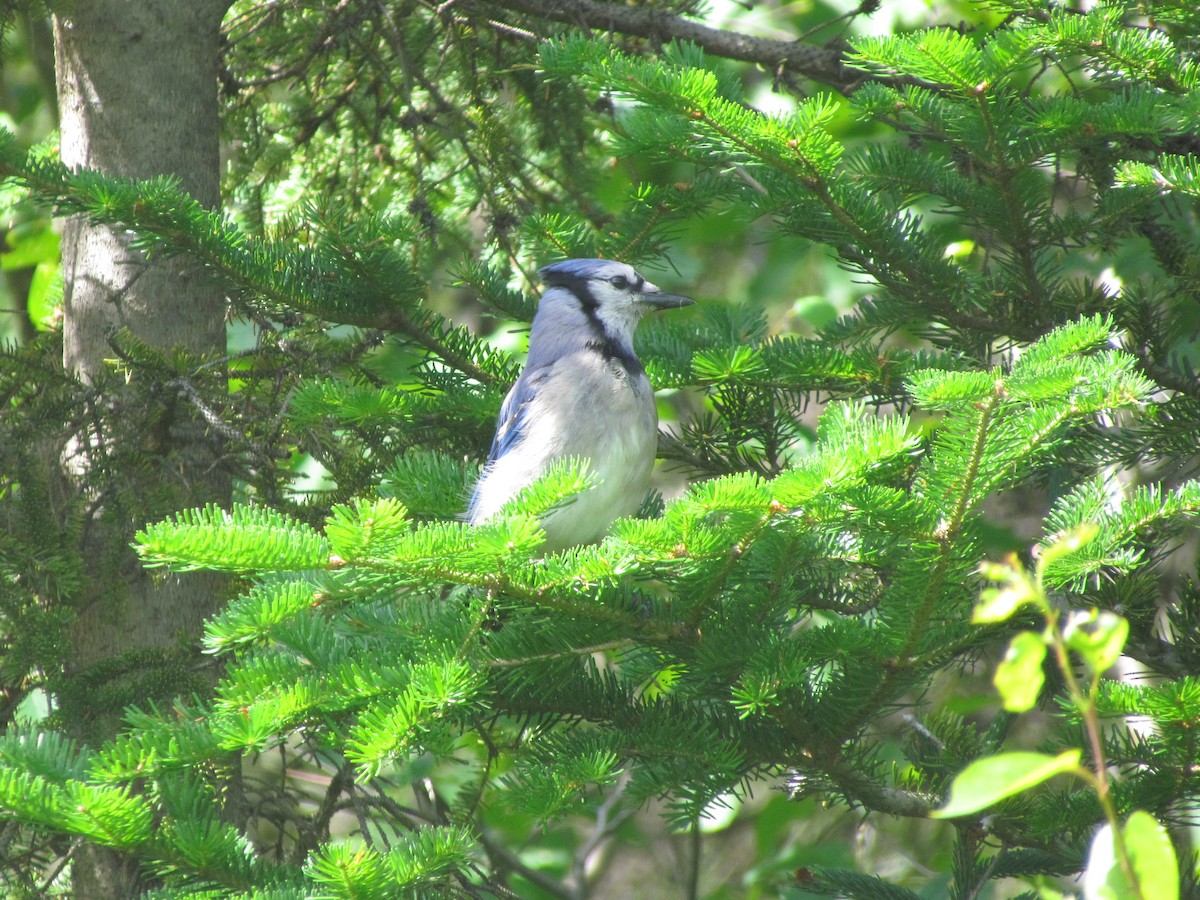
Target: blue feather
point(510, 426)
point(572, 269)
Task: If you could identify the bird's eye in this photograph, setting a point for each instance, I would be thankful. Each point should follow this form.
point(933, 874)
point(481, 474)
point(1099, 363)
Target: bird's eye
point(620, 282)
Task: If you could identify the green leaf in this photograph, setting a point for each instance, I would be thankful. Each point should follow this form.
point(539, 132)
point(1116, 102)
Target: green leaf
point(1150, 854)
point(992, 779)
point(429, 483)
point(1069, 542)
point(1153, 856)
point(999, 604)
point(31, 244)
point(45, 295)
point(1019, 676)
point(1098, 636)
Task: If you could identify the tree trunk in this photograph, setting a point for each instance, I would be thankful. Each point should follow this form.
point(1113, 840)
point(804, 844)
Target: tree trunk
point(137, 95)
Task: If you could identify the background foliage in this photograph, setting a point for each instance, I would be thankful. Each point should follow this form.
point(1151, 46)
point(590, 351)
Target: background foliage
point(948, 312)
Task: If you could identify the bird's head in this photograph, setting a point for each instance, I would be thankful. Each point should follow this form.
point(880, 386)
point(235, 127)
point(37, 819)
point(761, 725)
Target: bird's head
point(611, 295)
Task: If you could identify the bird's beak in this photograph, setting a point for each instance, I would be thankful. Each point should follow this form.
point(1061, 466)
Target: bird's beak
point(662, 300)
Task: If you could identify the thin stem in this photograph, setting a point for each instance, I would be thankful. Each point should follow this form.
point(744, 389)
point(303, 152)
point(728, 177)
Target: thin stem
point(1085, 703)
point(692, 884)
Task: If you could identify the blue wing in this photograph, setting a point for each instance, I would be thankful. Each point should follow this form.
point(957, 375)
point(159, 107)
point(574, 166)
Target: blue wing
point(510, 426)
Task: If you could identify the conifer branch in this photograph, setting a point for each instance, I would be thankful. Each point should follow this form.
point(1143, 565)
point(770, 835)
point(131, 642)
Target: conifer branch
point(572, 653)
point(946, 537)
point(1164, 374)
point(1033, 299)
point(872, 795)
point(948, 530)
point(876, 248)
point(819, 63)
point(165, 216)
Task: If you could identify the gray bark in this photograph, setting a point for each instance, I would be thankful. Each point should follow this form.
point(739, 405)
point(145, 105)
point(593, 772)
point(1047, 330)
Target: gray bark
point(137, 94)
point(137, 88)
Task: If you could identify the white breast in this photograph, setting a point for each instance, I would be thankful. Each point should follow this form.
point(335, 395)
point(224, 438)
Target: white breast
point(601, 413)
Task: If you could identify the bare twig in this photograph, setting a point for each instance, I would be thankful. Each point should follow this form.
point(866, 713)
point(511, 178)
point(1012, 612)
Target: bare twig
point(503, 858)
point(821, 63)
point(318, 829)
point(59, 864)
point(606, 823)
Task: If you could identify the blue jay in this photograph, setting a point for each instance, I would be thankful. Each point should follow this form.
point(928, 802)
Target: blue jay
point(583, 394)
